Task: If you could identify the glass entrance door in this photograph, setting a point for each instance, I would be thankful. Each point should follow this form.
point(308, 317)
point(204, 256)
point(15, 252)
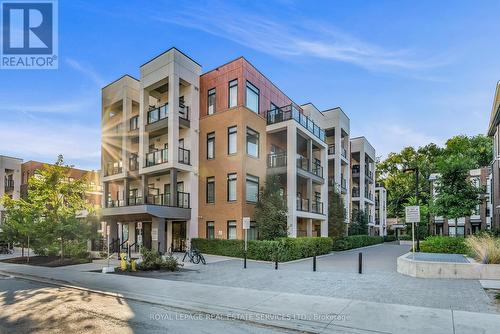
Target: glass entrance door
point(178, 236)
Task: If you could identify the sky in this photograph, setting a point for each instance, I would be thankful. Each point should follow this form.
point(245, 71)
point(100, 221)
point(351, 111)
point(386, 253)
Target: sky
point(405, 72)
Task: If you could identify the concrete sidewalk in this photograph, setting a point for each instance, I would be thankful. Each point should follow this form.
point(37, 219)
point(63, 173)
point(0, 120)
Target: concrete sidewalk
point(285, 310)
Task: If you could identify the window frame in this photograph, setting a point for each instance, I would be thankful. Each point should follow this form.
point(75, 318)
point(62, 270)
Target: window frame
point(210, 180)
point(258, 142)
point(232, 130)
point(210, 92)
point(207, 228)
point(232, 84)
point(230, 225)
point(211, 139)
point(255, 180)
point(232, 177)
point(255, 90)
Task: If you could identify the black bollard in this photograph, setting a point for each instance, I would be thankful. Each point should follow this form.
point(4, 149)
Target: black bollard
point(360, 262)
point(276, 265)
point(314, 263)
point(245, 261)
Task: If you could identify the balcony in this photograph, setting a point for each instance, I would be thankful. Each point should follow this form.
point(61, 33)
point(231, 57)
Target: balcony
point(133, 162)
point(317, 169)
point(331, 149)
point(9, 184)
point(184, 156)
point(183, 201)
point(157, 157)
point(289, 112)
point(302, 163)
point(275, 160)
point(355, 192)
point(369, 174)
point(157, 114)
point(344, 152)
point(317, 207)
point(113, 170)
point(302, 204)
point(368, 195)
point(355, 171)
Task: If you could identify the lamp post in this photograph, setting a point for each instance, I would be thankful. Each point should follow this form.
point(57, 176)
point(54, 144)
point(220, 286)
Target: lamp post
point(416, 171)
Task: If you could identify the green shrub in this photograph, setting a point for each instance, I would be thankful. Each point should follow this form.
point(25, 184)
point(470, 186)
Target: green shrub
point(356, 241)
point(438, 244)
point(389, 238)
point(282, 249)
point(151, 260)
point(484, 248)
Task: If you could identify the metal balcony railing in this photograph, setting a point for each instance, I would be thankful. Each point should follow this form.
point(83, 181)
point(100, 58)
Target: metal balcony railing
point(355, 170)
point(157, 114)
point(113, 170)
point(302, 163)
point(302, 204)
point(355, 192)
point(289, 112)
point(157, 157)
point(184, 156)
point(331, 149)
point(184, 112)
point(317, 170)
point(317, 207)
point(276, 160)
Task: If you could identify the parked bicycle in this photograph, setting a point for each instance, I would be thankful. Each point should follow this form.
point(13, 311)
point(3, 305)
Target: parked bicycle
point(194, 256)
point(4, 249)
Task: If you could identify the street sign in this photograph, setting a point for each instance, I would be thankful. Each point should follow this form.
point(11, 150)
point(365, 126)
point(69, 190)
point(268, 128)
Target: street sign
point(154, 234)
point(139, 225)
point(412, 214)
point(139, 239)
point(108, 230)
point(246, 223)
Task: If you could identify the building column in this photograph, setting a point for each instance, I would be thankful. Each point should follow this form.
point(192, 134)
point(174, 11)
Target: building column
point(126, 191)
point(309, 228)
point(131, 234)
point(105, 194)
point(144, 184)
point(158, 229)
point(120, 232)
point(173, 118)
point(173, 187)
point(291, 179)
point(169, 234)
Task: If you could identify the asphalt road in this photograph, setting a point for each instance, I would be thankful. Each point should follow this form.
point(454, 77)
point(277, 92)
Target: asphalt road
point(32, 307)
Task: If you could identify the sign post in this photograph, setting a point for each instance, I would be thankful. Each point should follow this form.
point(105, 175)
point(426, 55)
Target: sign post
point(139, 237)
point(412, 214)
point(108, 232)
point(246, 227)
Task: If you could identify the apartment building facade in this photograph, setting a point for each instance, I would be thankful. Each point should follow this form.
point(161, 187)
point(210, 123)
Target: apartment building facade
point(10, 179)
point(150, 131)
point(380, 211)
point(93, 179)
point(363, 180)
point(480, 220)
point(494, 132)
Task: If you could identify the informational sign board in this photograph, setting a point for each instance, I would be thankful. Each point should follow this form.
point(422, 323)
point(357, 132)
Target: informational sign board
point(412, 214)
point(139, 239)
point(246, 223)
point(139, 225)
point(154, 234)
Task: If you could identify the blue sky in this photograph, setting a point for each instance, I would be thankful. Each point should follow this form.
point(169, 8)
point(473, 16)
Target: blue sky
point(405, 72)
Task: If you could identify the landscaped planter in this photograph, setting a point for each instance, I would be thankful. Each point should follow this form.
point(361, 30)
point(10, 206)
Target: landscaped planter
point(469, 269)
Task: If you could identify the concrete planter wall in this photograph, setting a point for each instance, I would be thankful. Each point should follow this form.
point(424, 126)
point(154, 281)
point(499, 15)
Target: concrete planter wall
point(428, 269)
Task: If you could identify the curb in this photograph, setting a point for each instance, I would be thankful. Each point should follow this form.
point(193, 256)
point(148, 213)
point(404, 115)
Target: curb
point(204, 309)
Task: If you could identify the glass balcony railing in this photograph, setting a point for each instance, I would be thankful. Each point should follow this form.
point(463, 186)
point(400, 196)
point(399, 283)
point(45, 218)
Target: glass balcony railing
point(113, 169)
point(355, 192)
point(302, 163)
point(276, 160)
point(184, 156)
point(133, 162)
point(289, 112)
point(317, 169)
point(156, 157)
point(302, 204)
point(317, 207)
point(157, 114)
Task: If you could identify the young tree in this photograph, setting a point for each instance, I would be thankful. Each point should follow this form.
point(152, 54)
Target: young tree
point(456, 196)
point(271, 210)
point(336, 215)
point(359, 223)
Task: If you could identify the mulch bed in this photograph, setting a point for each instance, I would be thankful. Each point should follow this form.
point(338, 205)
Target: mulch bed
point(47, 261)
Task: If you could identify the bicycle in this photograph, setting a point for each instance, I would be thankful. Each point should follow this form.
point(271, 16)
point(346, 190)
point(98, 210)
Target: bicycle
point(4, 249)
point(194, 256)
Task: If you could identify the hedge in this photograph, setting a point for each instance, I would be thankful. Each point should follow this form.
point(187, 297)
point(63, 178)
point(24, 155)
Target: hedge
point(356, 241)
point(284, 249)
point(438, 244)
point(389, 238)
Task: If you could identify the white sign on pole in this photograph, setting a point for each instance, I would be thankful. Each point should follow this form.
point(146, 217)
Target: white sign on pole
point(246, 223)
point(108, 230)
point(412, 214)
point(139, 239)
point(154, 234)
point(139, 225)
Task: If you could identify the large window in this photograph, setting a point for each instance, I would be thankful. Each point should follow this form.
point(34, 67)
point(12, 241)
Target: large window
point(211, 189)
point(211, 145)
point(252, 188)
point(231, 140)
point(252, 143)
point(252, 232)
point(252, 98)
point(210, 230)
point(231, 187)
point(233, 93)
point(211, 101)
point(231, 229)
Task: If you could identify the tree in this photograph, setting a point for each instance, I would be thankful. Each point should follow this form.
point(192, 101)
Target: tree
point(336, 215)
point(479, 149)
point(456, 196)
point(271, 210)
point(359, 223)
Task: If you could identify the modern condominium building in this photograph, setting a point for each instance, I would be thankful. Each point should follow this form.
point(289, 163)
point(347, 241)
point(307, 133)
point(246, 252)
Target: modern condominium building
point(10, 179)
point(380, 211)
point(494, 132)
point(363, 179)
point(150, 131)
point(480, 219)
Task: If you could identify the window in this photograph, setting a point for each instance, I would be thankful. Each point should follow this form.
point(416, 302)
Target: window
point(252, 232)
point(211, 145)
point(252, 188)
point(211, 189)
point(231, 140)
point(210, 230)
point(231, 187)
point(231, 229)
point(233, 93)
point(252, 143)
point(134, 123)
point(211, 101)
point(252, 97)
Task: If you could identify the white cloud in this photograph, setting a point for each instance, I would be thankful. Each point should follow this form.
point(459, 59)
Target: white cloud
point(87, 71)
point(298, 38)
